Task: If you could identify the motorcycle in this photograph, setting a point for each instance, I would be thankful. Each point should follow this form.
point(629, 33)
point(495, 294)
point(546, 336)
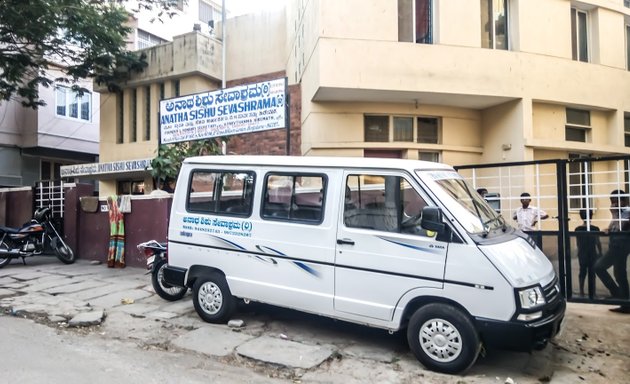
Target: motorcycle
point(37, 237)
point(157, 259)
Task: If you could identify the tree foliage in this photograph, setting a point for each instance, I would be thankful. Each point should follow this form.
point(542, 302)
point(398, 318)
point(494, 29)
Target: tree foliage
point(85, 39)
point(170, 156)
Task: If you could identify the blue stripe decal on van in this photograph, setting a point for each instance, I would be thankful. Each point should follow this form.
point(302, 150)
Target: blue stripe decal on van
point(269, 260)
point(274, 251)
point(308, 269)
point(418, 248)
point(411, 276)
point(234, 245)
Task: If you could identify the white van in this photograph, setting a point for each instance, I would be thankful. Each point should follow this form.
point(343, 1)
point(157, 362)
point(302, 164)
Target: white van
point(387, 243)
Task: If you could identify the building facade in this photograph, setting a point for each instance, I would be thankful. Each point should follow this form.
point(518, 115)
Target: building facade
point(34, 144)
point(462, 81)
point(190, 64)
point(454, 81)
point(156, 26)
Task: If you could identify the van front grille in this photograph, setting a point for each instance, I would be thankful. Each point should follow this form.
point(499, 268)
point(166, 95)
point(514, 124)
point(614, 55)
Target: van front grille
point(551, 291)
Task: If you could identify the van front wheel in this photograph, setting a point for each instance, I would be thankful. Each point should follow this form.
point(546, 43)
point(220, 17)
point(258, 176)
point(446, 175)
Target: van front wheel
point(443, 338)
point(212, 298)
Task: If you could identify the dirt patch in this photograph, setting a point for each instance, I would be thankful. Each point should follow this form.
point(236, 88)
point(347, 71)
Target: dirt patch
point(594, 347)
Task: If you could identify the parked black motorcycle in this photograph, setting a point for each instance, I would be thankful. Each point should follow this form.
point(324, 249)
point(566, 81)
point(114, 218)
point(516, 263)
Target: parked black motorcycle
point(37, 237)
point(157, 259)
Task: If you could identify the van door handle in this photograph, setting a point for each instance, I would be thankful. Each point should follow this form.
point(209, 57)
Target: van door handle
point(345, 241)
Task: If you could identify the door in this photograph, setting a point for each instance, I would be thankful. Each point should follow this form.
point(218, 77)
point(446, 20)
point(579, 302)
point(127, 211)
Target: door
point(381, 251)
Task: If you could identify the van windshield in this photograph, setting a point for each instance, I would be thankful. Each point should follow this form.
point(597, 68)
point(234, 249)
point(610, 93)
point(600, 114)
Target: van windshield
point(468, 207)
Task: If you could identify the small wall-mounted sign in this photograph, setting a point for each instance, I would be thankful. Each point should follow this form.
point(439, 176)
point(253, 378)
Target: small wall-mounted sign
point(112, 167)
point(104, 208)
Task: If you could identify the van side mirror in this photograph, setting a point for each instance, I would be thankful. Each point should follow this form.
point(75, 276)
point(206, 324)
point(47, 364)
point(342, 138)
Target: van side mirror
point(432, 219)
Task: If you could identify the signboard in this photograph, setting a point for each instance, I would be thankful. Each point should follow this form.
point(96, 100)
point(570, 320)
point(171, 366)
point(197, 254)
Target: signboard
point(231, 111)
point(105, 168)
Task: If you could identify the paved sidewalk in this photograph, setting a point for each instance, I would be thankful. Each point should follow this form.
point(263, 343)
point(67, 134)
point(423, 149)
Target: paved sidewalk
point(121, 304)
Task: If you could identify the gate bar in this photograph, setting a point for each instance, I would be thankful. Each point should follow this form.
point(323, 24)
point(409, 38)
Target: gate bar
point(564, 246)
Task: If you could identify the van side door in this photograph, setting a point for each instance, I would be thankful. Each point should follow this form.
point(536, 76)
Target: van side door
point(294, 243)
point(382, 252)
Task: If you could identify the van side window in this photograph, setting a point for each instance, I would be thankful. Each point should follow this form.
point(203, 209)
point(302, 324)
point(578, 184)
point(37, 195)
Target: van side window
point(382, 203)
point(221, 192)
point(294, 197)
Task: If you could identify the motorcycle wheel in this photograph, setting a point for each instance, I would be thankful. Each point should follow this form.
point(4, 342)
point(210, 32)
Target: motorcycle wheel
point(163, 289)
point(4, 260)
point(62, 251)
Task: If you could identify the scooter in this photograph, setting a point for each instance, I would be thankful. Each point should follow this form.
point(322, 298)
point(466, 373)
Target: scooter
point(157, 259)
point(37, 237)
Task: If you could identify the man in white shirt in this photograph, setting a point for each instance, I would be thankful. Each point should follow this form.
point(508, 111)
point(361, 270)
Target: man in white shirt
point(527, 215)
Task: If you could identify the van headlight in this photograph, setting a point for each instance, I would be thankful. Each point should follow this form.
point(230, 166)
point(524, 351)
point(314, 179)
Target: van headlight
point(531, 297)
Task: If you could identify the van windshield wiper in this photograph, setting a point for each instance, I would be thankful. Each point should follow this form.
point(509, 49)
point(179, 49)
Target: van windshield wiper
point(501, 221)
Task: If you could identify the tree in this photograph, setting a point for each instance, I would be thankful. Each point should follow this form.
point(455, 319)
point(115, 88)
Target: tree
point(168, 162)
point(83, 38)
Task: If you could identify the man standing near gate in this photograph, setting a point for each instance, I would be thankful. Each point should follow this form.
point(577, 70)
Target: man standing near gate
point(527, 215)
point(618, 249)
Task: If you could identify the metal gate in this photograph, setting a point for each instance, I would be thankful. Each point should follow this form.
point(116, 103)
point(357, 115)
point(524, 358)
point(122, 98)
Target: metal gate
point(49, 193)
point(567, 190)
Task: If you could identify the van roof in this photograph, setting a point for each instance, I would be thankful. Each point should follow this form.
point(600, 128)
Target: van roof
point(318, 161)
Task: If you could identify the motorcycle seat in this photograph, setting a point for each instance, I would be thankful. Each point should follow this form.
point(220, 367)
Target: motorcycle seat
point(9, 230)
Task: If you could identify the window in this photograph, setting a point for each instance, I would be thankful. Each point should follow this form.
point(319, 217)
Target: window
point(176, 85)
point(222, 192)
point(428, 130)
point(580, 181)
point(133, 127)
point(130, 187)
point(578, 125)
point(626, 130)
point(86, 109)
point(429, 156)
point(73, 104)
point(382, 203)
point(415, 23)
point(403, 128)
point(494, 24)
point(120, 125)
point(147, 113)
point(207, 12)
point(45, 171)
point(146, 39)
point(294, 197)
point(575, 134)
point(579, 35)
point(376, 128)
point(60, 99)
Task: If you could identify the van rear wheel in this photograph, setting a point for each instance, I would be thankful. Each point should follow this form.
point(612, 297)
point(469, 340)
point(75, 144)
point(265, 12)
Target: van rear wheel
point(443, 338)
point(212, 298)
